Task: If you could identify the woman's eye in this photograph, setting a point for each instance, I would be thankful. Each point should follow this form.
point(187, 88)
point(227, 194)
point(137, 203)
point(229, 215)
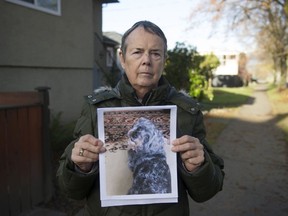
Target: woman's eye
point(156, 55)
point(137, 52)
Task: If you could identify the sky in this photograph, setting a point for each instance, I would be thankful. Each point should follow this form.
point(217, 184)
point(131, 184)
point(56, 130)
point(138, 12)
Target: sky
point(172, 16)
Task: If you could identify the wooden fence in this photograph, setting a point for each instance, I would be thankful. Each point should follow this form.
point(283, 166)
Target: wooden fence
point(26, 167)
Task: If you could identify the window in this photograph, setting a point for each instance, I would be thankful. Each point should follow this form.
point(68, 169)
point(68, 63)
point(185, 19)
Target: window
point(109, 56)
point(48, 6)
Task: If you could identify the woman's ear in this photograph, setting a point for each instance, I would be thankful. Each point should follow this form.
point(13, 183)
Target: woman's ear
point(122, 59)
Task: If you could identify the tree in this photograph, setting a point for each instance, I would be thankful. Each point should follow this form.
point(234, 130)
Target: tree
point(179, 62)
point(265, 20)
point(187, 70)
point(208, 65)
point(201, 75)
point(242, 70)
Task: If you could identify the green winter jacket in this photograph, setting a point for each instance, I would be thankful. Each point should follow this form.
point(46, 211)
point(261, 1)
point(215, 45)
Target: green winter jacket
point(201, 185)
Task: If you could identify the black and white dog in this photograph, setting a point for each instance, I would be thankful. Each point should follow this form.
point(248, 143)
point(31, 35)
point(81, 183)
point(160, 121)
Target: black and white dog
point(147, 159)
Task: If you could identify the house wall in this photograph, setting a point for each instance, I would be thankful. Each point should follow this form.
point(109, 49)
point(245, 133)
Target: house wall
point(228, 64)
point(67, 86)
point(100, 71)
point(40, 49)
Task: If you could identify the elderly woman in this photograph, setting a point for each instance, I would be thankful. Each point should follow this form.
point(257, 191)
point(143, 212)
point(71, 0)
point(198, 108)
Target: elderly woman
point(200, 170)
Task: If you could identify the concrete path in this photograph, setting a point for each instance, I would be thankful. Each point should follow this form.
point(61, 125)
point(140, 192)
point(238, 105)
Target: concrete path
point(256, 165)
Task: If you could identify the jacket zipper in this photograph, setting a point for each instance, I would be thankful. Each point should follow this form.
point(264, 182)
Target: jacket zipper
point(148, 99)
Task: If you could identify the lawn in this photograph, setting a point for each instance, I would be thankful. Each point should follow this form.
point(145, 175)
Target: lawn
point(228, 98)
point(279, 102)
point(222, 109)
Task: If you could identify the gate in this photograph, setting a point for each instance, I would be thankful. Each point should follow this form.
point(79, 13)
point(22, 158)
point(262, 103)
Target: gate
point(26, 170)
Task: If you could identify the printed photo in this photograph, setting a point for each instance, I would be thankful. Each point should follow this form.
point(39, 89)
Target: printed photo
point(138, 166)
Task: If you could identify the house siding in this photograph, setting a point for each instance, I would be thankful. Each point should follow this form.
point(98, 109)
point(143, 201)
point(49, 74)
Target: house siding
point(40, 49)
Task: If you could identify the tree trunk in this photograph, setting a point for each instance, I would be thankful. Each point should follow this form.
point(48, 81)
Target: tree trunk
point(283, 66)
point(275, 70)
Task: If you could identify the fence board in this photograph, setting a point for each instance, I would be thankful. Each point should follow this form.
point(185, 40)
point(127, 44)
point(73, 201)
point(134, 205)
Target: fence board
point(13, 162)
point(4, 202)
point(24, 158)
point(35, 123)
point(20, 98)
point(25, 178)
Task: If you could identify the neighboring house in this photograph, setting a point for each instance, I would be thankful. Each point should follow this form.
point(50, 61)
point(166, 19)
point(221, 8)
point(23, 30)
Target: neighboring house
point(112, 43)
point(228, 64)
point(117, 39)
point(56, 43)
point(232, 70)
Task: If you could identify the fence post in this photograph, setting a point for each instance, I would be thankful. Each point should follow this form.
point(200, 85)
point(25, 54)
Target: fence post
point(47, 163)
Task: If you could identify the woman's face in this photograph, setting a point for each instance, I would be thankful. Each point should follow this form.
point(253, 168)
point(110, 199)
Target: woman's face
point(144, 60)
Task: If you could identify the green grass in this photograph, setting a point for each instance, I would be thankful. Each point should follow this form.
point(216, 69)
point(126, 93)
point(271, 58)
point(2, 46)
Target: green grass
point(223, 98)
point(279, 101)
point(228, 98)
point(235, 97)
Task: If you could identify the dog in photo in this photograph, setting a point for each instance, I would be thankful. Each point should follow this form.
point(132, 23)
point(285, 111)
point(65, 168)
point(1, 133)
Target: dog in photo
point(147, 159)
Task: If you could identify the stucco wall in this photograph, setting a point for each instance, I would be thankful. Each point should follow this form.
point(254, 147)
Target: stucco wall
point(40, 49)
point(67, 91)
point(34, 38)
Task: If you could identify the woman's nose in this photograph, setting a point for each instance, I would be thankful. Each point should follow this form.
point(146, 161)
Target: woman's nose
point(146, 58)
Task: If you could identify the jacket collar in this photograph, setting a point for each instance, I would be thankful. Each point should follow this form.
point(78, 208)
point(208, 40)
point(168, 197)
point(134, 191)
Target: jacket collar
point(156, 96)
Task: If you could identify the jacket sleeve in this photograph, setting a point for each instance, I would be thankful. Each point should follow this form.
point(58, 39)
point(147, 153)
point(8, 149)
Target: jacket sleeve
point(77, 185)
point(207, 180)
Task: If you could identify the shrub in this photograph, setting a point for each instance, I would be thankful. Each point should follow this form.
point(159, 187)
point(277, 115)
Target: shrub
point(60, 134)
point(199, 88)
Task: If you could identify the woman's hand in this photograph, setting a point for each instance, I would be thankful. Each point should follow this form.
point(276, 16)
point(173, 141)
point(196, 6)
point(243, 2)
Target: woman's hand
point(86, 152)
point(191, 151)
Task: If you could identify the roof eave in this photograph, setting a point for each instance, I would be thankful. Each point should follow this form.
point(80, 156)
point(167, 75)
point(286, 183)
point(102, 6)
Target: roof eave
point(109, 1)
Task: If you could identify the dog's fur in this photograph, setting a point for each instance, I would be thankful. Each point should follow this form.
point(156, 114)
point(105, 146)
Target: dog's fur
point(147, 159)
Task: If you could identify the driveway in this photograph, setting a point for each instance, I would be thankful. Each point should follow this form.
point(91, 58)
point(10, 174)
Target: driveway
point(256, 164)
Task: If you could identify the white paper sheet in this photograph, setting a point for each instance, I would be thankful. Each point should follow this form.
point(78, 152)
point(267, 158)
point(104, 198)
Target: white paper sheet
point(116, 175)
